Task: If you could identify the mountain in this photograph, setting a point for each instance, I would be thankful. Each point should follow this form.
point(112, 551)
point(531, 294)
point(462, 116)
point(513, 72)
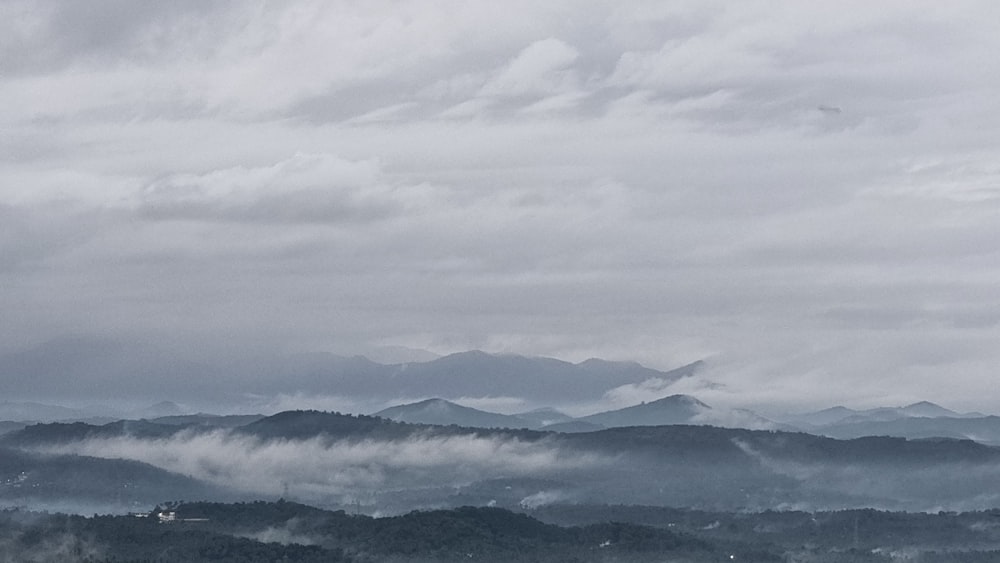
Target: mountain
point(985, 430)
point(7, 426)
point(399, 355)
point(163, 408)
point(842, 415)
point(675, 409)
point(73, 482)
point(209, 420)
point(94, 369)
point(544, 417)
point(445, 413)
point(820, 418)
point(75, 368)
point(573, 427)
point(478, 374)
point(299, 425)
point(61, 432)
point(633, 371)
point(38, 412)
point(927, 409)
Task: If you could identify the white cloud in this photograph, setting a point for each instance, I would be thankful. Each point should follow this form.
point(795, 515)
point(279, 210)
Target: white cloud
point(544, 67)
point(557, 103)
point(338, 468)
point(635, 393)
point(648, 181)
point(305, 187)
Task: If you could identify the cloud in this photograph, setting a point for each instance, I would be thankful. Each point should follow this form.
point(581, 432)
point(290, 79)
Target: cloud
point(559, 102)
point(543, 498)
point(540, 68)
point(338, 468)
point(635, 393)
point(302, 189)
point(649, 182)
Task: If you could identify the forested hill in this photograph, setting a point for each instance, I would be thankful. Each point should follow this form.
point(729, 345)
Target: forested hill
point(287, 531)
point(282, 531)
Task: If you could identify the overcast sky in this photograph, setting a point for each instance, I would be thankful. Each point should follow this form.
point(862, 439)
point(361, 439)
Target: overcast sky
point(807, 194)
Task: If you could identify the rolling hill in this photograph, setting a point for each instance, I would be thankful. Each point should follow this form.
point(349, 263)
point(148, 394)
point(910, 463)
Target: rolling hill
point(444, 413)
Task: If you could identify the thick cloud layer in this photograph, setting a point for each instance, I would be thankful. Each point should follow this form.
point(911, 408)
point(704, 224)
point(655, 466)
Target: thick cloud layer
point(806, 195)
point(321, 469)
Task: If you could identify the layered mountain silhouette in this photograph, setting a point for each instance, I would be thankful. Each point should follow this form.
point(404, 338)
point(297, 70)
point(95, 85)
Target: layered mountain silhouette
point(674, 409)
point(922, 420)
point(93, 369)
point(38, 412)
point(444, 413)
point(844, 415)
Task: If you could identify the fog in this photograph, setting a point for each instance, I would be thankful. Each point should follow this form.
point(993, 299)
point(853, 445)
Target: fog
point(322, 469)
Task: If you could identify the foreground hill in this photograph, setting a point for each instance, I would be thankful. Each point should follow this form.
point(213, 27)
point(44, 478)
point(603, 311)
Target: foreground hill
point(284, 531)
point(288, 531)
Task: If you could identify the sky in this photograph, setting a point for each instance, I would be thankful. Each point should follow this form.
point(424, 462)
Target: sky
point(805, 195)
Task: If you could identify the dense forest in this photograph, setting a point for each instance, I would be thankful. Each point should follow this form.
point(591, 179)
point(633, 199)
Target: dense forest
point(285, 531)
point(288, 531)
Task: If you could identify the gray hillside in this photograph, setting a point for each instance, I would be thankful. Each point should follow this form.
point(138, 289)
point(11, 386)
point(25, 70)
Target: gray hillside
point(444, 413)
point(675, 409)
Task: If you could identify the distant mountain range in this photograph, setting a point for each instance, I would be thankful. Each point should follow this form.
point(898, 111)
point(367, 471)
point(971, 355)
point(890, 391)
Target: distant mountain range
point(843, 415)
point(38, 412)
point(28, 412)
point(478, 374)
point(921, 420)
point(674, 409)
point(93, 369)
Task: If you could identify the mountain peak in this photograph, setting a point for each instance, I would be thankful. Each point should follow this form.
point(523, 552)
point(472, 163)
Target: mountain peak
point(673, 409)
point(443, 412)
point(927, 409)
point(435, 403)
point(469, 354)
point(679, 399)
